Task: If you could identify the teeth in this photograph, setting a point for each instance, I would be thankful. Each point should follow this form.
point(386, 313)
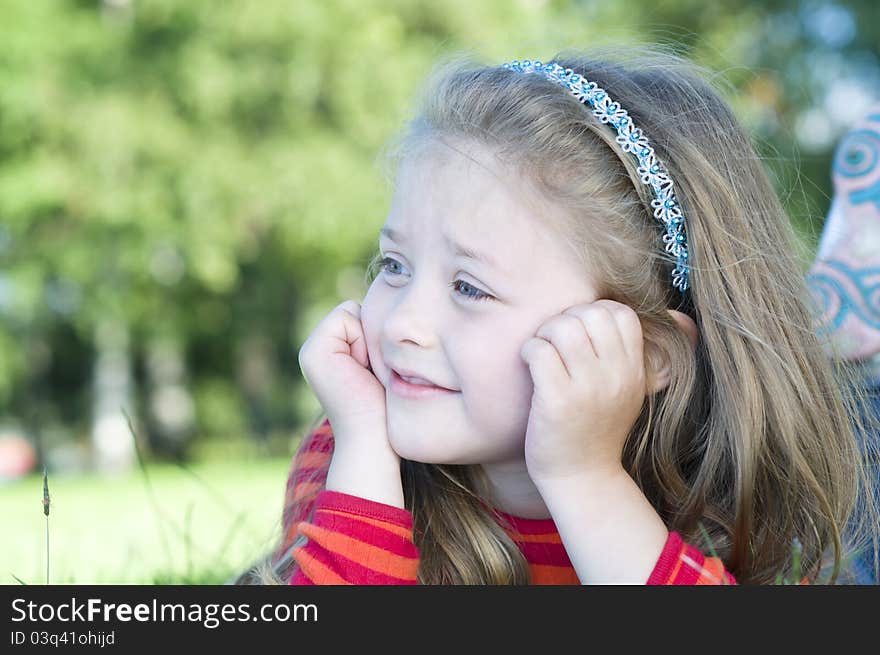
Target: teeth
point(418, 381)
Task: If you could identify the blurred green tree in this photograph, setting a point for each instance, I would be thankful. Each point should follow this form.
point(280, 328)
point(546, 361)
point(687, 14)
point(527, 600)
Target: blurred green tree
point(185, 186)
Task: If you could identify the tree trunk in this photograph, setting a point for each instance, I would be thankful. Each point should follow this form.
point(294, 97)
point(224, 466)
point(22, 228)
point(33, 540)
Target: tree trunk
point(171, 407)
point(112, 441)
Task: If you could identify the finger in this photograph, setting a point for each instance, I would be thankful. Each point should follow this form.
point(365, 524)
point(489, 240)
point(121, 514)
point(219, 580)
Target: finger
point(631, 332)
point(351, 306)
point(354, 332)
point(602, 329)
point(629, 327)
point(359, 346)
point(568, 335)
point(545, 365)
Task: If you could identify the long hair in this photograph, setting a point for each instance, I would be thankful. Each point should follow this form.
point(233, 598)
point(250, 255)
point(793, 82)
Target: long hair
point(752, 451)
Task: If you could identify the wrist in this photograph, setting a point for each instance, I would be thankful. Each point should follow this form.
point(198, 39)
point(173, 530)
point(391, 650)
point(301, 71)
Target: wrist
point(592, 477)
point(368, 472)
point(610, 530)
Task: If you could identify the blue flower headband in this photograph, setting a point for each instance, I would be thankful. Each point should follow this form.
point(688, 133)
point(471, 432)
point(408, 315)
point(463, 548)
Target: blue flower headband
point(631, 139)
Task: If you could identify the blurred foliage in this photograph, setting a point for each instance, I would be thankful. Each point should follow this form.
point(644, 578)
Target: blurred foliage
point(207, 170)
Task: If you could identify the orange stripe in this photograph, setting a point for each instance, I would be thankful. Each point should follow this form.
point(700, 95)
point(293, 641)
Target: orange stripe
point(547, 574)
point(536, 538)
point(367, 555)
point(712, 572)
point(676, 567)
point(316, 572)
point(311, 459)
point(391, 527)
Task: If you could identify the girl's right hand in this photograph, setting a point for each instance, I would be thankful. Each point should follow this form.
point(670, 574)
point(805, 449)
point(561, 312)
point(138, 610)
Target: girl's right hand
point(335, 364)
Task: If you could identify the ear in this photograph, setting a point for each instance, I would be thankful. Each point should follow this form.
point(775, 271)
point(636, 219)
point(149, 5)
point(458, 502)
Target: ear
point(661, 378)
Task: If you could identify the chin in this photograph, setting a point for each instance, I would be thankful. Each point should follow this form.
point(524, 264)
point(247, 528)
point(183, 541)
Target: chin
point(423, 455)
point(426, 453)
point(441, 461)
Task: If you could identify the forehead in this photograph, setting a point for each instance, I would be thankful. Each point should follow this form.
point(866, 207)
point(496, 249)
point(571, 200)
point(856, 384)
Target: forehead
point(468, 198)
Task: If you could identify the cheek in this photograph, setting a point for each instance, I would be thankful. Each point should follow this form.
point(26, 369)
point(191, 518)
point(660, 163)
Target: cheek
point(500, 378)
point(372, 309)
point(518, 380)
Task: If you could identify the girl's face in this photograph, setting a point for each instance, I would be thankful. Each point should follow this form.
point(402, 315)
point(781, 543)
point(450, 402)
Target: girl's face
point(458, 320)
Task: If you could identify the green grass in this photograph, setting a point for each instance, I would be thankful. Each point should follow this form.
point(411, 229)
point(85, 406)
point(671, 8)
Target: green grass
point(197, 526)
point(176, 525)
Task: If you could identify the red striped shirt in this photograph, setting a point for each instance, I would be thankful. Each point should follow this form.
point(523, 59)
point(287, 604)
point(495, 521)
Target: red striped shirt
point(352, 540)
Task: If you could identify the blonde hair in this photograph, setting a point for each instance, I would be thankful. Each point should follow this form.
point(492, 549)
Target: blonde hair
point(752, 449)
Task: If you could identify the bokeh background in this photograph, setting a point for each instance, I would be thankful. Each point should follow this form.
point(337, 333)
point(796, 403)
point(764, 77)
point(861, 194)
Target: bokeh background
point(188, 186)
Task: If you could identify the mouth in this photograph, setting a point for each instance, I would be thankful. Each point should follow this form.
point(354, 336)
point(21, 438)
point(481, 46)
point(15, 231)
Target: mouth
point(407, 389)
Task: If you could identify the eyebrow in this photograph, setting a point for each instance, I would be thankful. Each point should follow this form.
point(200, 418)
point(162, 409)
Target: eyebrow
point(459, 249)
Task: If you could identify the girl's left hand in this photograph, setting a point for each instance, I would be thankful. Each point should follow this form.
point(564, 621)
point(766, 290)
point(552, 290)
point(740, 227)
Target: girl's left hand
point(588, 372)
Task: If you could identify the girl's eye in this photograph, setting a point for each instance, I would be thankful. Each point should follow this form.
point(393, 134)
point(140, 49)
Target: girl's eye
point(457, 284)
point(477, 295)
point(384, 263)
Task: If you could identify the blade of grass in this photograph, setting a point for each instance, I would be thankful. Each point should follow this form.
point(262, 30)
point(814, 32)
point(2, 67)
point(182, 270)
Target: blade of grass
point(238, 521)
point(218, 497)
point(188, 541)
point(211, 491)
point(155, 505)
point(46, 502)
point(150, 494)
point(707, 538)
point(797, 549)
point(240, 518)
point(227, 539)
point(710, 546)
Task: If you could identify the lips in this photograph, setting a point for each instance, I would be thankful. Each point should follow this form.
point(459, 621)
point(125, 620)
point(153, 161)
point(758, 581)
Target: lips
point(414, 378)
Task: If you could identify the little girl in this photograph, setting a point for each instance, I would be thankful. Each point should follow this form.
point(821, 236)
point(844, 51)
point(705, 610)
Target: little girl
point(586, 354)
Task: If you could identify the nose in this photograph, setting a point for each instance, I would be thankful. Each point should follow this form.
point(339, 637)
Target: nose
point(415, 313)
